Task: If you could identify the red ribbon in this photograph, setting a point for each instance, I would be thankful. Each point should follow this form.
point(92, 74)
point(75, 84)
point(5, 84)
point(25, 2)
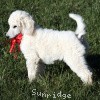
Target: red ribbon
point(14, 41)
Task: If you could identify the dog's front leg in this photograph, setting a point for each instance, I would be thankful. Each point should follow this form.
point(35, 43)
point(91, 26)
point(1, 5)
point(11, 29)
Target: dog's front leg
point(32, 67)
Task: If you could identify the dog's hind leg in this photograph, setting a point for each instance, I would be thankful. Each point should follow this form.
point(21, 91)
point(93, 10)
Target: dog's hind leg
point(78, 65)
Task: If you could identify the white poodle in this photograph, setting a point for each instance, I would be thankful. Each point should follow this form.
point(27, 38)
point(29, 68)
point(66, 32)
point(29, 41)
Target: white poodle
point(49, 45)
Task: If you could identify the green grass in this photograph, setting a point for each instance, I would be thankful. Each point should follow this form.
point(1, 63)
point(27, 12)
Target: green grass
point(53, 14)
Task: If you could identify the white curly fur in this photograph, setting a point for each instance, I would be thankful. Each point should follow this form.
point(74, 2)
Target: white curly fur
point(49, 45)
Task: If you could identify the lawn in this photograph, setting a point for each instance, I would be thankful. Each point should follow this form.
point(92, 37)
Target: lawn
point(58, 82)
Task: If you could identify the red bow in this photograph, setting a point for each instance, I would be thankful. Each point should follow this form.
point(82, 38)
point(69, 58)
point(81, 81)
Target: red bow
point(14, 41)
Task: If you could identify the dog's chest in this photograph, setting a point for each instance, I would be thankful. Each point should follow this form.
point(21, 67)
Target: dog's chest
point(26, 45)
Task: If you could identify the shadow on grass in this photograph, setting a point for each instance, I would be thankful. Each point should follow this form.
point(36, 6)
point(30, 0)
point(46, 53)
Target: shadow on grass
point(94, 63)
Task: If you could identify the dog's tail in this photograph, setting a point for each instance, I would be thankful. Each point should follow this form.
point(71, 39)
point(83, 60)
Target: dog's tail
point(80, 30)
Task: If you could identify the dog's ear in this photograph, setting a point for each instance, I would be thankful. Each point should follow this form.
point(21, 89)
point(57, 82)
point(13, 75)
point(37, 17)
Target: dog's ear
point(27, 24)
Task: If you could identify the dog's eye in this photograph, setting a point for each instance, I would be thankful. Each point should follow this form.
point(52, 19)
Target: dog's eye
point(14, 26)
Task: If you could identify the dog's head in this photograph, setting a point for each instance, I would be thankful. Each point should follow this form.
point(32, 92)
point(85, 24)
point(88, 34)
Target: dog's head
point(20, 22)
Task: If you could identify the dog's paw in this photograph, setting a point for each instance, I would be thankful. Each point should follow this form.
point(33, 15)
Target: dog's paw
point(87, 80)
point(31, 77)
